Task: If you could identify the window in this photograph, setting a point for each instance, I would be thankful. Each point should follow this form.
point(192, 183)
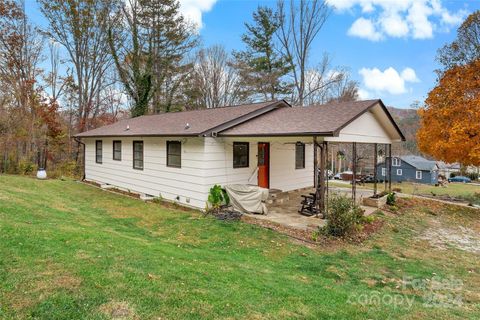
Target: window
point(240, 154)
point(399, 172)
point(98, 151)
point(174, 154)
point(300, 155)
point(117, 150)
point(138, 155)
point(384, 172)
point(418, 175)
point(396, 162)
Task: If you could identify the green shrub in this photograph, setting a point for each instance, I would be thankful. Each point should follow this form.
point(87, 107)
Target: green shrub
point(26, 167)
point(217, 197)
point(391, 199)
point(344, 216)
point(64, 169)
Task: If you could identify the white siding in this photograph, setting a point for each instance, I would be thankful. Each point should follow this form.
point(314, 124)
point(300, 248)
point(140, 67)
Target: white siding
point(205, 162)
point(283, 175)
point(366, 129)
point(156, 178)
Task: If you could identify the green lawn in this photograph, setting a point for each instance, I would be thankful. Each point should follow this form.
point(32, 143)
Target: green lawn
point(71, 251)
point(461, 190)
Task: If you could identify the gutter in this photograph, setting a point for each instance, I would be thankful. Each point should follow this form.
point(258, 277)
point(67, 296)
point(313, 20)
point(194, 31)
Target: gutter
point(80, 142)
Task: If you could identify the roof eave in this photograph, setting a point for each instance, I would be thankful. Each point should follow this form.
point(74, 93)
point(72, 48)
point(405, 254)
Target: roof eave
point(246, 117)
point(286, 134)
point(384, 108)
point(135, 135)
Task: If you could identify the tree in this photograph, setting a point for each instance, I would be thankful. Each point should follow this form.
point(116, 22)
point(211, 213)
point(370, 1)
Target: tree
point(299, 25)
point(20, 55)
point(79, 26)
point(465, 49)
point(213, 82)
point(450, 120)
point(148, 41)
point(325, 84)
point(262, 69)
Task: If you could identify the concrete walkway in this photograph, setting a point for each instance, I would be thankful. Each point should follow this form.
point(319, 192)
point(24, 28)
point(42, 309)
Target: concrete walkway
point(285, 212)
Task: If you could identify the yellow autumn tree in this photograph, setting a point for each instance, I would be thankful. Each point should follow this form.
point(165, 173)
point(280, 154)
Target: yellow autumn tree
point(450, 120)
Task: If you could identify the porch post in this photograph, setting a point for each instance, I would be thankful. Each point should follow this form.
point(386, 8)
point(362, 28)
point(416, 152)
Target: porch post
point(315, 163)
point(354, 171)
point(385, 164)
point(315, 173)
point(375, 148)
point(321, 178)
point(389, 168)
point(326, 184)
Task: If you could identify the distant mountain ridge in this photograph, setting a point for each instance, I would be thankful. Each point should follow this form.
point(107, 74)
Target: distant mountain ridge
point(409, 122)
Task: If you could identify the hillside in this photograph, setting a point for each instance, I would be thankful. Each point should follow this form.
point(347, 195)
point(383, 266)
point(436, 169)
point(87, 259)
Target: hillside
point(408, 121)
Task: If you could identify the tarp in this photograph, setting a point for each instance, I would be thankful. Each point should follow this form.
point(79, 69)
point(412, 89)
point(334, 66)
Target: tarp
point(247, 198)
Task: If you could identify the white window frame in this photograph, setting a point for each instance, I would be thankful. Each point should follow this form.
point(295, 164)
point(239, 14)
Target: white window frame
point(396, 162)
point(384, 172)
point(418, 175)
point(399, 172)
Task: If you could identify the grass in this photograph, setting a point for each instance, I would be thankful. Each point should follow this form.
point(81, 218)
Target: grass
point(71, 251)
point(454, 189)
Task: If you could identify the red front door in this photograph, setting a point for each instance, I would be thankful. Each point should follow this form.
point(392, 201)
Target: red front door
point(263, 165)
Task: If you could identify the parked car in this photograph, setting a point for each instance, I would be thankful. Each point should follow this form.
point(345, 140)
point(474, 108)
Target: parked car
point(369, 179)
point(460, 179)
point(337, 176)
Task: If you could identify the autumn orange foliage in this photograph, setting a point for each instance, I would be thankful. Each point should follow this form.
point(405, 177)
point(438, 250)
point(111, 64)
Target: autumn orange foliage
point(450, 120)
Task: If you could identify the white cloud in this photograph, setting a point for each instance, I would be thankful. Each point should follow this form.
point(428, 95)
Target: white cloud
point(192, 10)
point(363, 94)
point(394, 25)
point(418, 19)
point(409, 75)
point(364, 28)
point(389, 80)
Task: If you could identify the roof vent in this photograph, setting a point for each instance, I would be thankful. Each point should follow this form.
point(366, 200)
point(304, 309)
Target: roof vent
point(128, 127)
point(187, 126)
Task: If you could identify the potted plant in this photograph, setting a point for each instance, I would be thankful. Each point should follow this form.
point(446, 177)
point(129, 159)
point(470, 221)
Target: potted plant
point(377, 201)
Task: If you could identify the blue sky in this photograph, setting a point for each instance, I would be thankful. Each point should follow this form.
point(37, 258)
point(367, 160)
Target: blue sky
point(388, 45)
point(405, 36)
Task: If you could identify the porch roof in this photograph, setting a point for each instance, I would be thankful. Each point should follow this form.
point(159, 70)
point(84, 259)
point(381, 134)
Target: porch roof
point(316, 120)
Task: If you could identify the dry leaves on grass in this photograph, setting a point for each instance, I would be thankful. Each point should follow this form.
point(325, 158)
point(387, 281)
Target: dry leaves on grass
point(118, 310)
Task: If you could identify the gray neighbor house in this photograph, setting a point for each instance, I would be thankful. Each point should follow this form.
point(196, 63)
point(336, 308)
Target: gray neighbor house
point(410, 168)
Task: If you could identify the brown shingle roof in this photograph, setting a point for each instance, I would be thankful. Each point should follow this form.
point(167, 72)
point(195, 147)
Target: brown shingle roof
point(319, 119)
point(175, 123)
point(274, 118)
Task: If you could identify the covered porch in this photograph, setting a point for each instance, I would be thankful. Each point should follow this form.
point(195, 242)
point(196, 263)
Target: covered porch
point(365, 125)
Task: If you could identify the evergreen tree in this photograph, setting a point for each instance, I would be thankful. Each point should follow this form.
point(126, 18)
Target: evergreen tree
point(262, 69)
point(149, 40)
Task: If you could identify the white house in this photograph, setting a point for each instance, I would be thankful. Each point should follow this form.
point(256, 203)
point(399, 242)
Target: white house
point(180, 156)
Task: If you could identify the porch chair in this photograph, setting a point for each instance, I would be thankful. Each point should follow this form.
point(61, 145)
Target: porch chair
point(308, 205)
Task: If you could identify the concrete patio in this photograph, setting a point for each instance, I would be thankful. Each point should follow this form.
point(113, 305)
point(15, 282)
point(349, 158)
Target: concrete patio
point(283, 208)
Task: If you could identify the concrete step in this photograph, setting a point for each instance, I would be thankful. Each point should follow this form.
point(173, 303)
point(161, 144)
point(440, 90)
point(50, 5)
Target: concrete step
point(276, 196)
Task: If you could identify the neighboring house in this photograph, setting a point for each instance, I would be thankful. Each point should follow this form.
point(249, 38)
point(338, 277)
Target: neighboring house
point(446, 169)
point(410, 168)
point(179, 156)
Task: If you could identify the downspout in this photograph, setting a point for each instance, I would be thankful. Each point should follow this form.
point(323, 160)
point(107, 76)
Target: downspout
point(80, 142)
